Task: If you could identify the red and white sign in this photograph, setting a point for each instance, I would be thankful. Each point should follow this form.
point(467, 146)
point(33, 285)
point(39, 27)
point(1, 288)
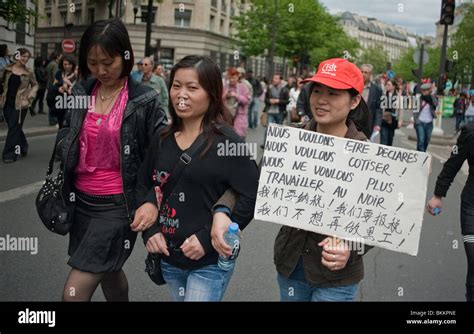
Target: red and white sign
point(68, 45)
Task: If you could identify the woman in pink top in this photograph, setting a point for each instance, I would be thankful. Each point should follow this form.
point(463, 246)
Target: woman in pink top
point(237, 98)
point(102, 150)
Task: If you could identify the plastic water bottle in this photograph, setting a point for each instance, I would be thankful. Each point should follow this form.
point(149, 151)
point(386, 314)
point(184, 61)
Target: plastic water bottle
point(437, 211)
point(231, 238)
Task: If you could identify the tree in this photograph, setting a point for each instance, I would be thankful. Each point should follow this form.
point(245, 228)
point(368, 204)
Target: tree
point(15, 12)
point(376, 56)
point(463, 46)
point(299, 29)
point(403, 67)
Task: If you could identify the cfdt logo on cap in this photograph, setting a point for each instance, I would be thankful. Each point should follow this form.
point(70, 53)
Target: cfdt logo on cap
point(329, 69)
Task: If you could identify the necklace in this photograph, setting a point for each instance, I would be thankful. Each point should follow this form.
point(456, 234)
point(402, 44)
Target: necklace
point(102, 97)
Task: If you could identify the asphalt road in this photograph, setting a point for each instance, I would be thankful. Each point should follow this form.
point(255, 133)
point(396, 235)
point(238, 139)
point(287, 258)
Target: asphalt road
point(436, 274)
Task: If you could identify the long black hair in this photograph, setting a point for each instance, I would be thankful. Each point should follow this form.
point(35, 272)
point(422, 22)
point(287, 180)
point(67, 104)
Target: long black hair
point(360, 115)
point(112, 36)
point(210, 79)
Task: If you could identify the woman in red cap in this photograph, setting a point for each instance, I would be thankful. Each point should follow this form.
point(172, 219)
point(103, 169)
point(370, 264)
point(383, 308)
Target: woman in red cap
point(311, 266)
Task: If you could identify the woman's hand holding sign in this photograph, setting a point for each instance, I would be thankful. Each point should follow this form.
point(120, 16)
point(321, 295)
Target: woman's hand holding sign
point(335, 253)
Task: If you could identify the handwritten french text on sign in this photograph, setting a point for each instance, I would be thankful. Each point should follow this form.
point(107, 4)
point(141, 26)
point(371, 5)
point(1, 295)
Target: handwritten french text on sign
point(354, 190)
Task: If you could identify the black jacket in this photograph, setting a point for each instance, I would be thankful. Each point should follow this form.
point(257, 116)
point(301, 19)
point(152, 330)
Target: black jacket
point(143, 116)
point(284, 99)
point(463, 150)
point(375, 112)
point(303, 104)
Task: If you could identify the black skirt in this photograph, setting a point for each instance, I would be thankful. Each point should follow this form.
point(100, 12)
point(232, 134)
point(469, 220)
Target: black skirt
point(100, 239)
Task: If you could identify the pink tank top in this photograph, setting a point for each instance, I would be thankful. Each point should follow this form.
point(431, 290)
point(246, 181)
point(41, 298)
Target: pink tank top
point(98, 171)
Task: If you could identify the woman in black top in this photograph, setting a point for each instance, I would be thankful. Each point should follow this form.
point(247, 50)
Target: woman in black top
point(183, 231)
point(18, 89)
point(462, 151)
point(64, 80)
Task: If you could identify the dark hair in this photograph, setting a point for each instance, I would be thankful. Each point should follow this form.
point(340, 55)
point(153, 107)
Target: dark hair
point(210, 79)
point(359, 115)
point(3, 50)
point(69, 59)
point(112, 36)
point(53, 56)
point(22, 51)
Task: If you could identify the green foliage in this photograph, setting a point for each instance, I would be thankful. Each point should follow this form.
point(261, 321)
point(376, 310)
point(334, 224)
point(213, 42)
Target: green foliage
point(300, 28)
point(376, 56)
point(12, 11)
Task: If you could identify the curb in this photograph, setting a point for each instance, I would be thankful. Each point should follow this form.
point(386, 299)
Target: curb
point(33, 132)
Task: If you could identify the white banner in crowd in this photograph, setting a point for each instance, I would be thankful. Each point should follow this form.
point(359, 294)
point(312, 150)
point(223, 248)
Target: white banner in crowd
point(358, 191)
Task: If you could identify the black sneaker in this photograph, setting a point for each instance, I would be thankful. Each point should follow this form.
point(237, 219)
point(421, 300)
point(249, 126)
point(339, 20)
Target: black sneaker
point(9, 160)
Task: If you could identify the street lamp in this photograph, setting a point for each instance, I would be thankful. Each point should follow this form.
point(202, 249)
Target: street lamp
point(148, 16)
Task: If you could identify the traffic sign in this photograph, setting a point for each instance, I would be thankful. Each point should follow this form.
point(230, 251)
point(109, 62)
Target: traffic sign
point(68, 45)
point(416, 57)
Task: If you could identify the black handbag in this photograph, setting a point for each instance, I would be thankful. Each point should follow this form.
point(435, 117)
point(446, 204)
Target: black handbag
point(153, 260)
point(53, 212)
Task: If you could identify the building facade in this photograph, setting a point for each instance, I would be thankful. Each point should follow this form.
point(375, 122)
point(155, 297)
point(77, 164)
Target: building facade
point(179, 28)
point(19, 35)
point(371, 32)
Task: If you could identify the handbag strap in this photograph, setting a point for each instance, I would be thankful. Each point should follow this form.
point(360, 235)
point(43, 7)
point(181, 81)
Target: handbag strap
point(51, 161)
point(184, 160)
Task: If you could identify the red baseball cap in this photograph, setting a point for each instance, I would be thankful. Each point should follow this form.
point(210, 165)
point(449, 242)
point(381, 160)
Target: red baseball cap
point(338, 73)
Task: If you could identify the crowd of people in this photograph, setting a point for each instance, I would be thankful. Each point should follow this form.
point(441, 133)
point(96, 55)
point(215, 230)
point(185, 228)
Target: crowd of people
point(163, 120)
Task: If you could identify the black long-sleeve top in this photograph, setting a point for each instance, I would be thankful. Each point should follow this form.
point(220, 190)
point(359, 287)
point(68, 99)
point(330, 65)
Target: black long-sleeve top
point(463, 150)
point(188, 210)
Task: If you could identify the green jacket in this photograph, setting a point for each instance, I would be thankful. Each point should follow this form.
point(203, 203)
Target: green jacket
point(158, 83)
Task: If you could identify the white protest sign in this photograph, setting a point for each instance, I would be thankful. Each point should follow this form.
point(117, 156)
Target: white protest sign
point(358, 191)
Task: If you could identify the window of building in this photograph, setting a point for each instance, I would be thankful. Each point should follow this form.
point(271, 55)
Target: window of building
point(90, 15)
point(214, 3)
point(221, 28)
point(224, 6)
point(212, 23)
point(48, 19)
point(63, 16)
point(144, 16)
point(78, 17)
point(182, 18)
point(20, 33)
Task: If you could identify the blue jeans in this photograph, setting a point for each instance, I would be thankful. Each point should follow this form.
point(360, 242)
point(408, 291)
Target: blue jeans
point(273, 118)
point(297, 289)
point(253, 112)
point(423, 135)
point(204, 284)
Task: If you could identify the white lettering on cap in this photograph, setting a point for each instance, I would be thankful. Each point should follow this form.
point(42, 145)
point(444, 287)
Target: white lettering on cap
point(329, 69)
